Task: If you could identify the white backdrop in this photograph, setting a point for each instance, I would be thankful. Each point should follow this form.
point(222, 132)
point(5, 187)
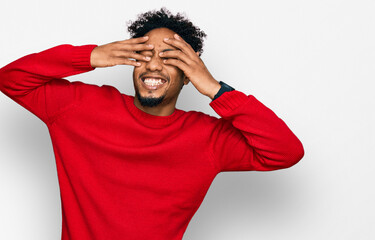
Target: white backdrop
point(311, 62)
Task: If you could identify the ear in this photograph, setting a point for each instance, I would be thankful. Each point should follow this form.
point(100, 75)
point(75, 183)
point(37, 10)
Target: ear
point(186, 80)
point(197, 53)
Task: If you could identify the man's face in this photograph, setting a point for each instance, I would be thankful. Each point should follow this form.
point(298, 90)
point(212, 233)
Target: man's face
point(156, 83)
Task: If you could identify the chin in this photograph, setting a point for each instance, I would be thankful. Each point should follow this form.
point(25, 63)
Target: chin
point(149, 101)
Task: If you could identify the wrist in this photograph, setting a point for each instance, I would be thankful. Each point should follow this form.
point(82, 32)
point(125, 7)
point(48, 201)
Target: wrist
point(223, 88)
point(81, 57)
point(214, 89)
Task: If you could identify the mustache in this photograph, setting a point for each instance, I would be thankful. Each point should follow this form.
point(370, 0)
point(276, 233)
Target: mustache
point(154, 73)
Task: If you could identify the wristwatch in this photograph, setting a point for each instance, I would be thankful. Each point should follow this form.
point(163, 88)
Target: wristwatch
point(224, 88)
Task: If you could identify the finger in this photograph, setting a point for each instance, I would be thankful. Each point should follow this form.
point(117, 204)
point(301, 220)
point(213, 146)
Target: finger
point(125, 61)
point(136, 47)
point(181, 44)
point(135, 40)
point(137, 56)
point(177, 63)
point(178, 37)
point(176, 54)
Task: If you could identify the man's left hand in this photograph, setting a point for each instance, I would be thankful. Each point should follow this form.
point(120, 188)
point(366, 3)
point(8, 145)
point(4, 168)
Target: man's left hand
point(186, 59)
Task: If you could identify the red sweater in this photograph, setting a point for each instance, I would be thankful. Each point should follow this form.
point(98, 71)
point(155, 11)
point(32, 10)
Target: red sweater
point(126, 174)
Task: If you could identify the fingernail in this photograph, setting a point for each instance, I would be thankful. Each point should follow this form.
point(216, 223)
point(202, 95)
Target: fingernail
point(161, 54)
point(147, 58)
point(166, 39)
point(138, 64)
point(145, 36)
point(150, 45)
point(177, 37)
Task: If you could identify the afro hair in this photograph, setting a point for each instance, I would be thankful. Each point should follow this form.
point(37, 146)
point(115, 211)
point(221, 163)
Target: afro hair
point(178, 23)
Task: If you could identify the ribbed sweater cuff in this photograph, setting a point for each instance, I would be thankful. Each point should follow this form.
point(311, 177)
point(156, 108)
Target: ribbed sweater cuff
point(81, 56)
point(228, 101)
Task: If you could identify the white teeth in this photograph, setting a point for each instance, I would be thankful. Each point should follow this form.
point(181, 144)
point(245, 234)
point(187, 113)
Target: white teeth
point(153, 81)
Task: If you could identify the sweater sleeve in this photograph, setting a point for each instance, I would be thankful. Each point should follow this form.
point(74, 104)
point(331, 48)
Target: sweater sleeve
point(36, 82)
point(249, 136)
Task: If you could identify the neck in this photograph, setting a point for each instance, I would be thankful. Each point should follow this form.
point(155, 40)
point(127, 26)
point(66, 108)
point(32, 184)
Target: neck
point(160, 110)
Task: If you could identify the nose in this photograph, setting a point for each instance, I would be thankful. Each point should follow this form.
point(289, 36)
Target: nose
point(155, 63)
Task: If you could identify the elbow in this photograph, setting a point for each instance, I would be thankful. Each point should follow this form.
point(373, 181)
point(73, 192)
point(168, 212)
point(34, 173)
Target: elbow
point(295, 155)
point(286, 157)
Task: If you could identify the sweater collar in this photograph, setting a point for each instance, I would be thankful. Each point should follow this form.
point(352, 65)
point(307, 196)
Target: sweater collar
point(147, 119)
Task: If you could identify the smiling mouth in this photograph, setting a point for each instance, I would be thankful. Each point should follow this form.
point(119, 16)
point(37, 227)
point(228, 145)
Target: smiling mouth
point(153, 80)
point(153, 83)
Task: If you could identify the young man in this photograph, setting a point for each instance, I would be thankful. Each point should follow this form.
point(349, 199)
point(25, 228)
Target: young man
point(137, 167)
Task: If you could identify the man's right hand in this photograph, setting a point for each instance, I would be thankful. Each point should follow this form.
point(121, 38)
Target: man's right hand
point(119, 52)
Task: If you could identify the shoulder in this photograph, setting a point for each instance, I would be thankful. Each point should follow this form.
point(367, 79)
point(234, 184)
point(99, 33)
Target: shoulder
point(202, 118)
point(203, 124)
point(85, 93)
point(85, 88)
point(96, 92)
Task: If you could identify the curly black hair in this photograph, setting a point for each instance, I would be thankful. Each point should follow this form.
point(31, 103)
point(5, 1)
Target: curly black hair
point(178, 23)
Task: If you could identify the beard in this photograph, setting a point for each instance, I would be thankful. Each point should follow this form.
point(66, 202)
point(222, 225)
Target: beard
point(149, 101)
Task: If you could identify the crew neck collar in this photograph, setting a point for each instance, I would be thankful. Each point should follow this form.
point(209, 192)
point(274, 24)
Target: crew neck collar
point(147, 119)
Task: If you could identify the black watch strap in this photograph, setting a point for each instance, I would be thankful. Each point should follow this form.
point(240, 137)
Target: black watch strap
point(224, 88)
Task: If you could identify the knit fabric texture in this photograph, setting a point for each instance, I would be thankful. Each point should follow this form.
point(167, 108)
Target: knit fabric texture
point(126, 174)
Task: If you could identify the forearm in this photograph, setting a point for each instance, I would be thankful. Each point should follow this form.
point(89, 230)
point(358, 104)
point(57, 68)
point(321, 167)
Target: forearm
point(29, 72)
point(263, 140)
point(35, 81)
